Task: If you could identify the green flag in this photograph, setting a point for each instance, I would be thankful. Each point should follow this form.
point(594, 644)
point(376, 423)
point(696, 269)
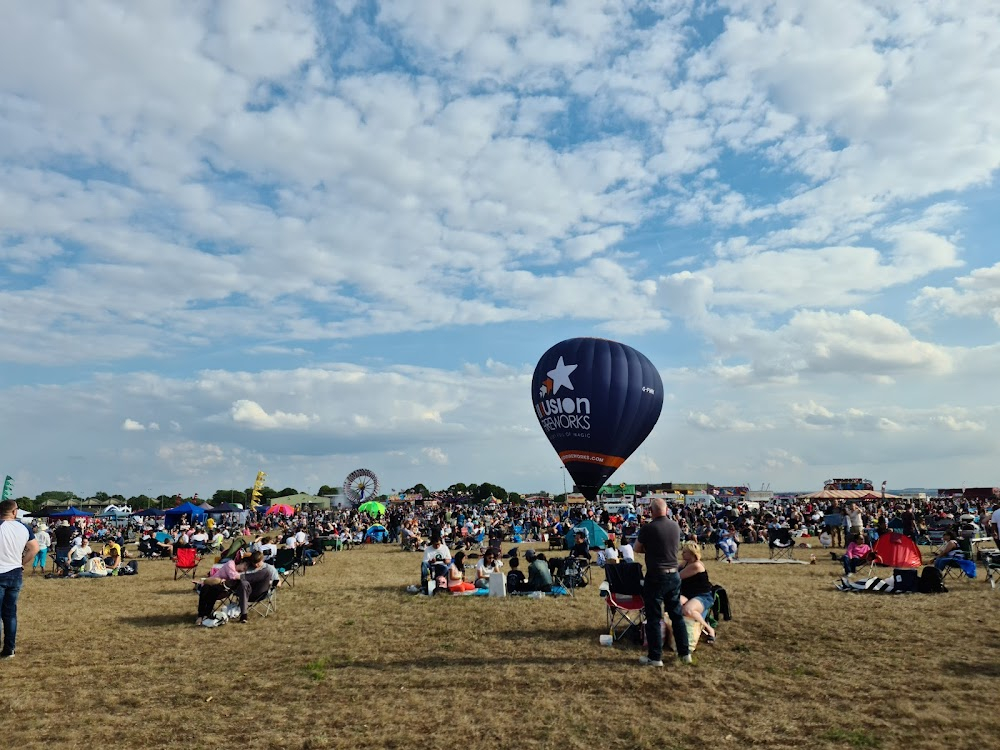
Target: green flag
point(8, 488)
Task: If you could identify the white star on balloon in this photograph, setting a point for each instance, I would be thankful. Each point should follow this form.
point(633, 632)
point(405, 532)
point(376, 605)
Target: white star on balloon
point(560, 376)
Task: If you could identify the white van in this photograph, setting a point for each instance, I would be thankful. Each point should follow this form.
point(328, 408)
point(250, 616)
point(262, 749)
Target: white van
point(619, 509)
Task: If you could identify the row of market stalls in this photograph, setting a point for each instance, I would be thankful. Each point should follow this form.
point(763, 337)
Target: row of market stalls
point(186, 512)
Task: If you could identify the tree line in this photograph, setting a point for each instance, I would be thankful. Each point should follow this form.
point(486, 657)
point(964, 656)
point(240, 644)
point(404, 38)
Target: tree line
point(268, 496)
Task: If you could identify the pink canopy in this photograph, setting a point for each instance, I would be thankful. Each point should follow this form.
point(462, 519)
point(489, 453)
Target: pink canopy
point(285, 510)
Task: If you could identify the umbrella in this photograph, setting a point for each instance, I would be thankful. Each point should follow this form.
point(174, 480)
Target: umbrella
point(285, 510)
point(372, 508)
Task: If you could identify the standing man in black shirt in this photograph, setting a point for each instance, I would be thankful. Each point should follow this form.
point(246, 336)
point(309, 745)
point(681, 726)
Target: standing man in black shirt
point(659, 540)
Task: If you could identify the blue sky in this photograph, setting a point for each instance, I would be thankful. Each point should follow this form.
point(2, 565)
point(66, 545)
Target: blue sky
point(310, 237)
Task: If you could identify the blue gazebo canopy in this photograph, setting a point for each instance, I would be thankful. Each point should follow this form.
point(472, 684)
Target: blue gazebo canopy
point(71, 512)
point(173, 516)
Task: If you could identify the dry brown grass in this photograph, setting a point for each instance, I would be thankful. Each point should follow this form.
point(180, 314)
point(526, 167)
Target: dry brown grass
point(350, 661)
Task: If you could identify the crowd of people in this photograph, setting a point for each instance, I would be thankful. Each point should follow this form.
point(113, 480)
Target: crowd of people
point(248, 542)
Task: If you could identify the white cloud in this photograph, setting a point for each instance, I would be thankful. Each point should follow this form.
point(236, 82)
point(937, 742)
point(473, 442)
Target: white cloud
point(435, 456)
point(319, 225)
point(253, 415)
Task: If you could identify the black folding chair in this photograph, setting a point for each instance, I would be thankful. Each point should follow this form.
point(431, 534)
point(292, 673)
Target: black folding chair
point(287, 567)
point(780, 544)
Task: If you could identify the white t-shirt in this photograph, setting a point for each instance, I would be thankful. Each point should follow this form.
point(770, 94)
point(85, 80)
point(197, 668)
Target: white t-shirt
point(431, 553)
point(995, 518)
point(300, 537)
point(14, 535)
point(290, 542)
point(627, 553)
point(610, 554)
point(483, 572)
point(80, 553)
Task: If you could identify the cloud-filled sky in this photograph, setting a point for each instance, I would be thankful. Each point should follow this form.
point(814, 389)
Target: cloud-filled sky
point(308, 237)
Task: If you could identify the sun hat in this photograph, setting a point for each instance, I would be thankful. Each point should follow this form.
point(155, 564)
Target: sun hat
point(530, 554)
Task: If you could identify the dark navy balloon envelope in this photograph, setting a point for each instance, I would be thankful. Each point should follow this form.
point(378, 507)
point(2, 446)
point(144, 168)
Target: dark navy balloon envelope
point(596, 400)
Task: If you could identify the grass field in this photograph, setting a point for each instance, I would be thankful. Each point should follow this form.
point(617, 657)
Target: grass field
point(351, 661)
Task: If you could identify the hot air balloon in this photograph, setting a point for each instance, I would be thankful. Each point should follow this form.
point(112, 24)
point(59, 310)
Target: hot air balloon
point(596, 400)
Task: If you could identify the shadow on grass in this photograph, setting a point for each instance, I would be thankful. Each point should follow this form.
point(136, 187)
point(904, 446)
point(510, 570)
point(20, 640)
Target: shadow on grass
point(159, 620)
point(437, 662)
point(965, 669)
point(572, 634)
point(186, 590)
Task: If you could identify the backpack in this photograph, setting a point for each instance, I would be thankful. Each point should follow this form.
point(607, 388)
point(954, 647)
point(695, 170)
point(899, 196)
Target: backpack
point(931, 581)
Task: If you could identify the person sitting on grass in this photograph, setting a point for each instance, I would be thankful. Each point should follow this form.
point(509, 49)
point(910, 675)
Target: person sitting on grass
point(539, 575)
point(697, 594)
point(515, 578)
point(456, 575)
point(856, 555)
point(609, 555)
point(436, 552)
point(112, 554)
point(164, 542)
point(489, 563)
point(79, 555)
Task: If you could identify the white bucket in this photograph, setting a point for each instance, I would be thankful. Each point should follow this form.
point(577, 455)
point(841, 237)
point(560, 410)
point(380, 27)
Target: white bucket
point(607, 640)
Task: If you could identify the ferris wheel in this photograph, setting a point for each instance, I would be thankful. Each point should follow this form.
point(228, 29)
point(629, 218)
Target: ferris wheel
point(360, 485)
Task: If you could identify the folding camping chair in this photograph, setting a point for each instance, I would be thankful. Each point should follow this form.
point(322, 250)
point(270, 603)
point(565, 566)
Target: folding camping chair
point(236, 548)
point(262, 593)
point(265, 603)
point(187, 562)
point(961, 564)
point(780, 543)
point(287, 567)
point(625, 610)
point(574, 574)
point(316, 550)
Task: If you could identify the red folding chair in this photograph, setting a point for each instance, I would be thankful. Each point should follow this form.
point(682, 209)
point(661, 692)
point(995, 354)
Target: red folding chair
point(187, 562)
